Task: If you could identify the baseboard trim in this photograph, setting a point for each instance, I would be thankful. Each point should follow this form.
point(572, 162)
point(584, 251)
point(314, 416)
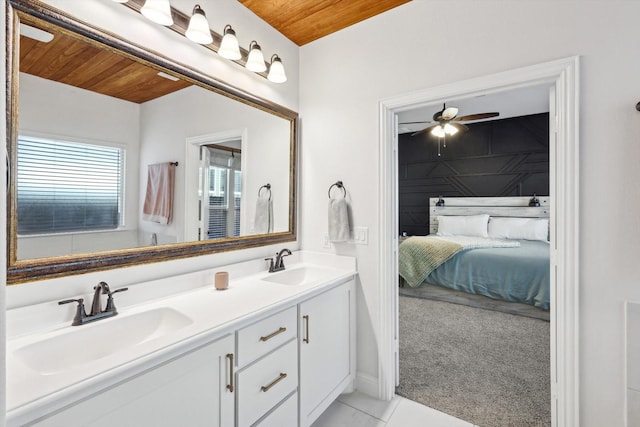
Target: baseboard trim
point(367, 384)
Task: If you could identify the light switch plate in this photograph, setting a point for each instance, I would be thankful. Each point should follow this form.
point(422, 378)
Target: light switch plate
point(360, 235)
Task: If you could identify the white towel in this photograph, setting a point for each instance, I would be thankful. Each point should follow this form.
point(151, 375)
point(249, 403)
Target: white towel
point(263, 222)
point(338, 220)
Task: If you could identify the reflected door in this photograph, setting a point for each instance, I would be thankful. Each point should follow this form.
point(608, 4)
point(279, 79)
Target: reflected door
point(220, 192)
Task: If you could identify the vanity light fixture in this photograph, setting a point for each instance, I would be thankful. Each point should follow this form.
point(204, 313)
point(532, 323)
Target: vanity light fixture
point(198, 30)
point(276, 70)
point(255, 61)
point(158, 11)
point(229, 47)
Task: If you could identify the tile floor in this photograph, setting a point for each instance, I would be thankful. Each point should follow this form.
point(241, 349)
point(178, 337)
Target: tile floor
point(359, 410)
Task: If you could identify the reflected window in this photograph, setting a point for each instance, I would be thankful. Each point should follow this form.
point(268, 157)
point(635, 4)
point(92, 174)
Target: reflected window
point(223, 184)
point(65, 187)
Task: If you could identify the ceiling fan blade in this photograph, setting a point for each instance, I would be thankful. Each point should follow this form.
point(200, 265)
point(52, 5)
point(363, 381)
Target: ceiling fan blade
point(449, 113)
point(413, 123)
point(427, 129)
point(476, 117)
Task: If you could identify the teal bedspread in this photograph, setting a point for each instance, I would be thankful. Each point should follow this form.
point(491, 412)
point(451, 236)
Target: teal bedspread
point(519, 274)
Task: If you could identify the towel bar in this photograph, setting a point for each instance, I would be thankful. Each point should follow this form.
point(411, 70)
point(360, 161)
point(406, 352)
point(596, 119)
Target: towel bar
point(338, 184)
point(268, 187)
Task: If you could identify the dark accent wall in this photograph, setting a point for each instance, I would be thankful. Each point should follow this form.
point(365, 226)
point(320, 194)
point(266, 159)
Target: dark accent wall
point(508, 157)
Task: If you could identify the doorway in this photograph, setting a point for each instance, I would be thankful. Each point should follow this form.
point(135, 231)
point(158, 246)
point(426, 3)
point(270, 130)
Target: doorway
point(214, 183)
point(562, 76)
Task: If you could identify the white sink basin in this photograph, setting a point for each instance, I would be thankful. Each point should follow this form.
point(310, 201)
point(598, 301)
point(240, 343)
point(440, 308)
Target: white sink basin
point(298, 276)
point(78, 345)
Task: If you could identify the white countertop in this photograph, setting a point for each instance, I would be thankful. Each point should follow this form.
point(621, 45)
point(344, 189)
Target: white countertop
point(214, 314)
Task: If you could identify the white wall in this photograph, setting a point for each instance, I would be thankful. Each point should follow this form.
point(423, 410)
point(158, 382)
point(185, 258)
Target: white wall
point(56, 110)
point(167, 122)
point(415, 46)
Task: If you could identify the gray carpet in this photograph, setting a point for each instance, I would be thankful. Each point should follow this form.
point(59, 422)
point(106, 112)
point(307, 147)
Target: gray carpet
point(485, 367)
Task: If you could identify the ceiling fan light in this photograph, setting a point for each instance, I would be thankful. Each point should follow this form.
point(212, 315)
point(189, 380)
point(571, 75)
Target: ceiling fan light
point(438, 131)
point(276, 70)
point(120, 1)
point(229, 47)
point(158, 11)
point(255, 61)
point(198, 30)
point(449, 129)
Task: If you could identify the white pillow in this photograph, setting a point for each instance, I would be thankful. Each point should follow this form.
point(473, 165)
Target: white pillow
point(467, 225)
point(519, 228)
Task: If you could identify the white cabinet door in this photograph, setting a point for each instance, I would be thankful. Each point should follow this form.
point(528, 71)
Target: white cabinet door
point(187, 391)
point(326, 349)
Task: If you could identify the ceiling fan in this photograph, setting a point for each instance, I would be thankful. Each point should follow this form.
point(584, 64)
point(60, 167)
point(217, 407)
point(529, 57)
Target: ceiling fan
point(446, 123)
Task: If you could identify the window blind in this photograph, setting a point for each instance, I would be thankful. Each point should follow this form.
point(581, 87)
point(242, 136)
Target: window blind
point(68, 187)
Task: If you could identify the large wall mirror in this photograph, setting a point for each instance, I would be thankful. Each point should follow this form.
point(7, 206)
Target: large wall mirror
point(119, 156)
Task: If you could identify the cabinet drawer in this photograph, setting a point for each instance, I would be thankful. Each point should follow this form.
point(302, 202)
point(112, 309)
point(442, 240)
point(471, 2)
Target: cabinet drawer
point(285, 415)
point(258, 339)
point(265, 383)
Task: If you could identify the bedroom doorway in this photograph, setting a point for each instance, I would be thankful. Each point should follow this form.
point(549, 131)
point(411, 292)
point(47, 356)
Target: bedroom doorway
point(562, 77)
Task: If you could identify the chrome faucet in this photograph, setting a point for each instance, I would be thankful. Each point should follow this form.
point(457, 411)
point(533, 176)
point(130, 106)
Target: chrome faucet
point(278, 264)
point(96, 313)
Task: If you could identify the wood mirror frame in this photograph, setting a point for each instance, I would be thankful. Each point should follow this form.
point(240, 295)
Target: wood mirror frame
point(19, 271)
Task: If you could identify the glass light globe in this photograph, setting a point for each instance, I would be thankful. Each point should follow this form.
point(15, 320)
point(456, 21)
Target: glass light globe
point(158, 11)
point(276, 71)
point(255, 61)
point(198, 30)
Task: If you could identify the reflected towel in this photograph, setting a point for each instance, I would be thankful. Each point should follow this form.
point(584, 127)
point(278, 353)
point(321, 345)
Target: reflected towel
point(263, 222)
point(338, 220)
point(158, 201)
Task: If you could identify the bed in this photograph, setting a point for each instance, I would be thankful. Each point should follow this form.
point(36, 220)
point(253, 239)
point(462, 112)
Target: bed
point(498, 263)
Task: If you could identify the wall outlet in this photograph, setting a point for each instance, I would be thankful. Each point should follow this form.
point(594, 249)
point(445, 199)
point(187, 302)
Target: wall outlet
point(325, 240)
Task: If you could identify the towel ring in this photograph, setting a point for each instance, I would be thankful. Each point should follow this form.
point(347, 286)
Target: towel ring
point(268, 187)
point(338, 184)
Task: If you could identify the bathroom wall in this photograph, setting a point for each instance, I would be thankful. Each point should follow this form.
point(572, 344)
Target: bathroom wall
point(56, 110)
point(423, 44)
point(124, 22)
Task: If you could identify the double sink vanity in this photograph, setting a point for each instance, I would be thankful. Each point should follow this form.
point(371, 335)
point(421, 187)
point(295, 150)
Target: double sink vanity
point(273, 349)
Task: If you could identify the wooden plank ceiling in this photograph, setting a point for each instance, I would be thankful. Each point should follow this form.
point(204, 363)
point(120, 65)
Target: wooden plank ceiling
point(80, 64)
point(303, 21)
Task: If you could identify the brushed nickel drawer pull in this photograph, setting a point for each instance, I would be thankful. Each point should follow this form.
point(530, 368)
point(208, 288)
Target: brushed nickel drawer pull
point(271, 335)
point(266, 388)
point(306, 338)
point(230, 385)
